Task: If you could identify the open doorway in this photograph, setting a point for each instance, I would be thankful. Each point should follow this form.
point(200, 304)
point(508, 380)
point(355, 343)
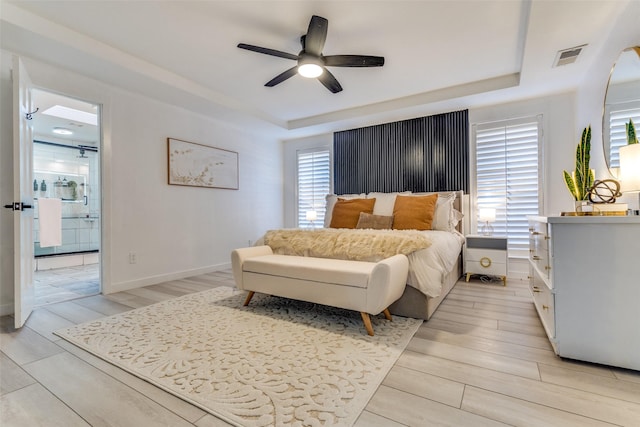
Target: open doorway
point(66, 167)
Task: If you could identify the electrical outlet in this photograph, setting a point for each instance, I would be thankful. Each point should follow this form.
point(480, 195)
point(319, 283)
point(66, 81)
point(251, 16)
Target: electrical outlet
point(133, 258)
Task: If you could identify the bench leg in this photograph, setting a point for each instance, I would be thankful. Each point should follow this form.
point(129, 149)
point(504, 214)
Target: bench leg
point(249, 296)
point(367, 322)
point(387, 314)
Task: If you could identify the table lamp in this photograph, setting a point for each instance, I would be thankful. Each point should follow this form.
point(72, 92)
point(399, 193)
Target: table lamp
point(487, 215)
point(311, 216)
point(630, 169)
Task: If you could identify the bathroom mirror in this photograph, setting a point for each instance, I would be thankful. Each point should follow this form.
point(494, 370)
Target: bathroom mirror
point(622, 102)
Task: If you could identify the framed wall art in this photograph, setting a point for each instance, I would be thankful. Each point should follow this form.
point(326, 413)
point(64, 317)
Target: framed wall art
point(198, 165)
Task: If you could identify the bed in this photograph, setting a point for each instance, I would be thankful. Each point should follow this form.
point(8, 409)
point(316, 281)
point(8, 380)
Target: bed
point(434, 267)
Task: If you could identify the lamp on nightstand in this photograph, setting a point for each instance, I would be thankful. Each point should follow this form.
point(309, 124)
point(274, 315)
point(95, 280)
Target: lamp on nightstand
point(311, 216)
point(487, 215)
point(630, 169)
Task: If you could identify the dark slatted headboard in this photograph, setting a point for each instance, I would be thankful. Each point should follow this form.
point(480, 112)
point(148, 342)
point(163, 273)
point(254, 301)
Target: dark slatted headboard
point(423, 154)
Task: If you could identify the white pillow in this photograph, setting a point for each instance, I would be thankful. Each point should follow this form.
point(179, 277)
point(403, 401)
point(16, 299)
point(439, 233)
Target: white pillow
point(445, 217)
point(331, 202)
point(444, 212)
point(384, 202)
point(456, 218)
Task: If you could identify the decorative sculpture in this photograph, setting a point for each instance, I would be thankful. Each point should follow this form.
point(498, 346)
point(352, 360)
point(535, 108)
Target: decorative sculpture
point(604, 191)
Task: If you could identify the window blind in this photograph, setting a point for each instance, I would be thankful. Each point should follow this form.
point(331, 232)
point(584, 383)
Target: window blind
point(313, 184)
point(618, 131)
point(508, 177)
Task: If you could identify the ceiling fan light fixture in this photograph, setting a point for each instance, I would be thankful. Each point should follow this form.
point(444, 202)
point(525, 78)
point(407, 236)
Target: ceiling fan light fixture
point(310, 70)
point(311, 61)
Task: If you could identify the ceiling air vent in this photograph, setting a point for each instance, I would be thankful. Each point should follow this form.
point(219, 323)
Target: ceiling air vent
point(568, 56)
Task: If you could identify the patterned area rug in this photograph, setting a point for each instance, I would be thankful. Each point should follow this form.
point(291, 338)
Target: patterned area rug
point(277, 362)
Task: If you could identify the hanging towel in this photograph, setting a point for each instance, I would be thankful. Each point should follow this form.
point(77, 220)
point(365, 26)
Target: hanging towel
point(50, 217)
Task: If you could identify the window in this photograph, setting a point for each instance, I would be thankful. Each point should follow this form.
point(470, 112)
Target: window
point(508, 171)
point(619, 114)
point(314, 183)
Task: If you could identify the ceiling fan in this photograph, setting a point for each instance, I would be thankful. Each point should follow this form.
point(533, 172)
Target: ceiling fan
point(311, 62)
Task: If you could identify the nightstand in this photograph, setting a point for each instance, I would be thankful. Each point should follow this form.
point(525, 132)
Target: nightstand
point(486, 256)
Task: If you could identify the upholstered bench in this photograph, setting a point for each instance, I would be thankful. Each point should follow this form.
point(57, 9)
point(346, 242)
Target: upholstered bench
point(367, 287)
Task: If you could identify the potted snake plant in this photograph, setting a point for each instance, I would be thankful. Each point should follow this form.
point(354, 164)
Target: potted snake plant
point(631, 133)
point(580, 181)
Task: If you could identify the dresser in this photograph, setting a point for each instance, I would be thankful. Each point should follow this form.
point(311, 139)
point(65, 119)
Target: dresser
point(584, 276)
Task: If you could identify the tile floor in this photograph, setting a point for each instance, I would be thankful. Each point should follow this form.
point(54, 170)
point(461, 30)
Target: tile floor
point(483, 359)
point(63, 284)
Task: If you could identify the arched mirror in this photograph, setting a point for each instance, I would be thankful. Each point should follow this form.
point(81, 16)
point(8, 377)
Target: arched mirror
point(622, 102)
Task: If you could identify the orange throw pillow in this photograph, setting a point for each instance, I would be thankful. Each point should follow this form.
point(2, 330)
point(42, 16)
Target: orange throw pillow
point(414, 212)
point(346, 212)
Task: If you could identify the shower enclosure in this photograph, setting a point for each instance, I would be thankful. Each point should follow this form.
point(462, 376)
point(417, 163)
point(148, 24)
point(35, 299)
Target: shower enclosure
point(71, 173)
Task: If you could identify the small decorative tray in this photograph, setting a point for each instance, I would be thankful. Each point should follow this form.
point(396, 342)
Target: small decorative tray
point(598, 213)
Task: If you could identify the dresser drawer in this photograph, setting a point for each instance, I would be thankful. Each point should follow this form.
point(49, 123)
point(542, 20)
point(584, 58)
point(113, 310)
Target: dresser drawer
point(544, 300)
point(494, 256)
point(539, 247)
point(486, 267)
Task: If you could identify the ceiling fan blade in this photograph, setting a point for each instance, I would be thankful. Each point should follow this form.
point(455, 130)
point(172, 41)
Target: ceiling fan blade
point(282, 77)
point(316, 35)
point(353, 61)
point(268, 51)
point(330, 82)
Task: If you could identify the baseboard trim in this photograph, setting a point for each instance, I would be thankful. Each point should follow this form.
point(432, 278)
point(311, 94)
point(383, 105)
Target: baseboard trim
point(6, 309)
point(154, 280)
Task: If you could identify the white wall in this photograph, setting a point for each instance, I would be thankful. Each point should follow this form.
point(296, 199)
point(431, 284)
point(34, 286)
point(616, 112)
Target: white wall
point(591, 93)
point(175, 231)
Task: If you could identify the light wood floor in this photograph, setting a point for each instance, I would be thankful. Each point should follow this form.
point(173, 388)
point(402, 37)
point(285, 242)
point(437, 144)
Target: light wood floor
point(483, 359)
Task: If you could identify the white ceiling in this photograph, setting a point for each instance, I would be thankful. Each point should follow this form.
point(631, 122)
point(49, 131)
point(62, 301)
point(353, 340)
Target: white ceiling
point(439, 55)
point(44, 123)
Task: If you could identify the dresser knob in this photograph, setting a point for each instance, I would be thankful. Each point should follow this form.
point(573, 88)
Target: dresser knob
point(545, 307)
point(536, 289)
point(485, 262)
point(536, 257)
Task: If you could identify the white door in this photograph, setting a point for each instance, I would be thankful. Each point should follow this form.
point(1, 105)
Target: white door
point(22, 193)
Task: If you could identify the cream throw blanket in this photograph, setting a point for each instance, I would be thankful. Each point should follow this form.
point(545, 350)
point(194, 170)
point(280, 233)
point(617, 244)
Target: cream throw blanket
point(357, 245)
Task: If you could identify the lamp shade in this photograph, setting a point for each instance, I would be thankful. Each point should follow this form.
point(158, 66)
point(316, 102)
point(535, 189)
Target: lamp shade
point(312, 215)
point(487, 214)
point(630, 168)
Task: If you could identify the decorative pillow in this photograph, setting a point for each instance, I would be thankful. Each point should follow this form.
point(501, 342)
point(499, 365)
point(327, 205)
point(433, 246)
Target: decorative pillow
point(346, 212)
point(331, 201)
point(414, 212)
point(375, 222)
point(384, 202)
point(444, 218)
point(456, 218)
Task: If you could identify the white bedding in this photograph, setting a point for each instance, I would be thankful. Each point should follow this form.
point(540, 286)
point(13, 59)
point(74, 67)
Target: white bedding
point(428, 267)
